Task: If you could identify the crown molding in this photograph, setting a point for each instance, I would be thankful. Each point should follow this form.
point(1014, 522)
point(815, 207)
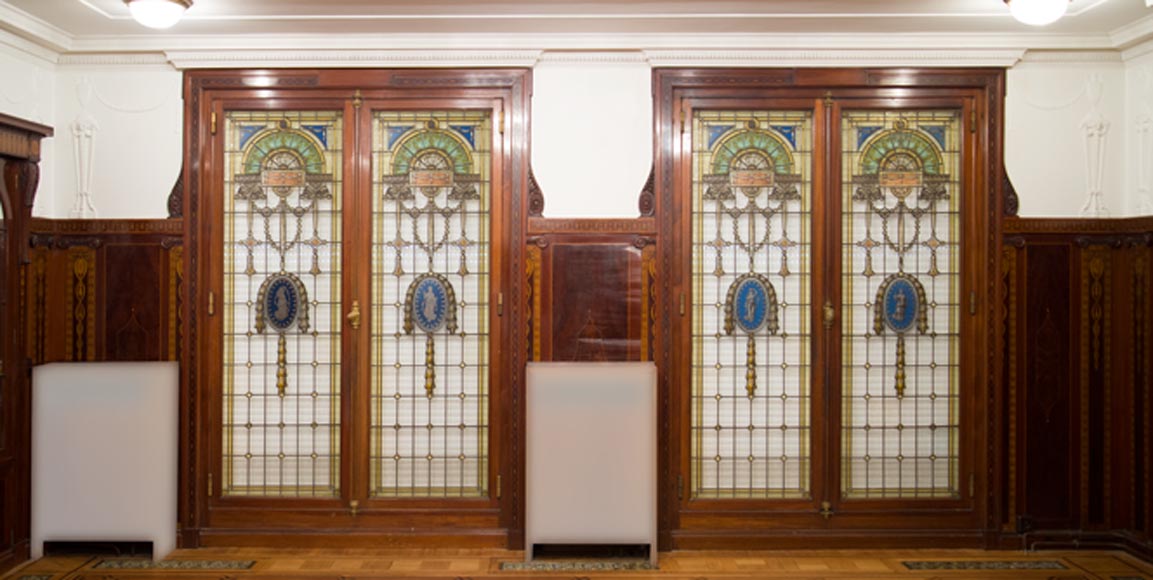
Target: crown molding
point(593, 57)
point(28, 47)
point(131, 59)
point(831, 58)
point(1072, 56)
point(1134, 33)
point(192, 59)
point(34, 29)
point(1137, 51)
point(588, 41)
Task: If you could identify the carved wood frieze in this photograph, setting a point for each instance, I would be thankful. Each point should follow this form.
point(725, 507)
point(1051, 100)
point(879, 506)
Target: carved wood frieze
point(81, 337)
point(1009, 340)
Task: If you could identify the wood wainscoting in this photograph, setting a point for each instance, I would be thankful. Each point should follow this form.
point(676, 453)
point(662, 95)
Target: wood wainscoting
point(105, 290)
point(1076, 298)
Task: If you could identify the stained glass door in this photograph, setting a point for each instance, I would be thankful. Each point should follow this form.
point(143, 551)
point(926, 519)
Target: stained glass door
point(350, 288)
point(828, 282)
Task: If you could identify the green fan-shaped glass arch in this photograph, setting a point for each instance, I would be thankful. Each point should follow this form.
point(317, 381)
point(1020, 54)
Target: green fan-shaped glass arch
point(884, 144)
point(772, 145)
point(278, 140)
point(448, 144)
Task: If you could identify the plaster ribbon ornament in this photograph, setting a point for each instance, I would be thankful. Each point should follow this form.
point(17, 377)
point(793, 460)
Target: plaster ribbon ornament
point(282, 305)
point(751, 307)
point(901, 183)
point(900, 307)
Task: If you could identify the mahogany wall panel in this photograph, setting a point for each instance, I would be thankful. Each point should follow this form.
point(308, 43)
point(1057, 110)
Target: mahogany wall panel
point(591, 291)
point(103, 290)
point(1077, 382)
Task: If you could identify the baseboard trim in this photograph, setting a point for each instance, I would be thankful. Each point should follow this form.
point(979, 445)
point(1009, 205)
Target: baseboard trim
point(825, 539)
point(352, 538)
point(1123, 540)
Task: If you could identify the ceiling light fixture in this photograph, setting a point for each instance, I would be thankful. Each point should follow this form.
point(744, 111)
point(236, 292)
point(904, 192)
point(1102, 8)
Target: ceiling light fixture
point(1037, 12)
point(158, 13)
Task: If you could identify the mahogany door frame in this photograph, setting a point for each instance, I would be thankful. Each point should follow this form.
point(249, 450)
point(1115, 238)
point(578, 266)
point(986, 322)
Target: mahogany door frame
point(746, 524)
point(207, 520)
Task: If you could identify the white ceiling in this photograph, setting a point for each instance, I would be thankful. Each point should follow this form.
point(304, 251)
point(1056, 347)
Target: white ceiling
point(101, 26)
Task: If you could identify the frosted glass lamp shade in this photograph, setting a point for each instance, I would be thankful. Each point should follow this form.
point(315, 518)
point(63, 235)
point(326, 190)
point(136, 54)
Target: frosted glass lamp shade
point(157, 13)
point(1037, 12)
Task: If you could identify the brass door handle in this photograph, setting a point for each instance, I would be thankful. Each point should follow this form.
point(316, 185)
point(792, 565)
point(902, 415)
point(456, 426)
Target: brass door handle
point(829, 314)
point(354, 315)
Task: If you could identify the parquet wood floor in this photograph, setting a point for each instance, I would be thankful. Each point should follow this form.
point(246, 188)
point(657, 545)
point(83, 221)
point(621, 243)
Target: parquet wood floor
point(485, 565)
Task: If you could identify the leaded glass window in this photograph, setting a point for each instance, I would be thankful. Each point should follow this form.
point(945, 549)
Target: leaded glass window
point(751, 220)
point(901, 282)
point(430, 284)
point(281, 303)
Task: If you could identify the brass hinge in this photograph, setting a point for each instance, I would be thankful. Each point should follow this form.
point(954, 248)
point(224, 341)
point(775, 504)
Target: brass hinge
point(828, 99)
point(972, 485)
point(499, 492)
point(354, 507)
point(973, 123)
point(682, 303)
point(210, 484)
point(213, 123)
point(826, 510)
point(1, 369)
point(973, 303)
point(500, 126)
point(211, 303)
point(500, 304)
point(680, 487)
point(357, 101)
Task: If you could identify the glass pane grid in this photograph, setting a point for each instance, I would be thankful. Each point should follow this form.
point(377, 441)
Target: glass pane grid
point(751, 221)
point(281, 370)
point(901, 286)
point(431, 217)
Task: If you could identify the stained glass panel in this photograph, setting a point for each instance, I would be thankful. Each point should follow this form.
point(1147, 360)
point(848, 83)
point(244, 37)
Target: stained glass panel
point(901, 281)
point(430, 280)
point(281, 303)
point(751, 220)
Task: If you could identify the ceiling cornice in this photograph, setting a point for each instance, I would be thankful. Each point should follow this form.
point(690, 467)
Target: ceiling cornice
point(192, 59)
point(34, 29)
point(839, 58)
point(35, 50)
point(589, 42)
point(1133, 33)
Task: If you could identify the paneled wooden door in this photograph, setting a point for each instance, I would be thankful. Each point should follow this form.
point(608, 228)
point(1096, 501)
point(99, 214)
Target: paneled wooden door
point(824, 309)
point(355, 252)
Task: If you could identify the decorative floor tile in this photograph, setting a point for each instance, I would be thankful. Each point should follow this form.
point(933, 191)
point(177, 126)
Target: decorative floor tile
point(985, 565)
point(136, 564)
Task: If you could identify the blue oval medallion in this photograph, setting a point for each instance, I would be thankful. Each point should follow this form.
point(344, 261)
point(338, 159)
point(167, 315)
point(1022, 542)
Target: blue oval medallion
point(281, 303)
point(902, 305)
point(751, 305)
point(430, 304)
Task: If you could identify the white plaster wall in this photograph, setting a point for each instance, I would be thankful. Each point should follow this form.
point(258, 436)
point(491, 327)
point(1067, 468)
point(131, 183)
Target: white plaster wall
point(138, 113)
point(1046, 107)
point(28, 92)
point(592, 140)
point(1139, 133)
